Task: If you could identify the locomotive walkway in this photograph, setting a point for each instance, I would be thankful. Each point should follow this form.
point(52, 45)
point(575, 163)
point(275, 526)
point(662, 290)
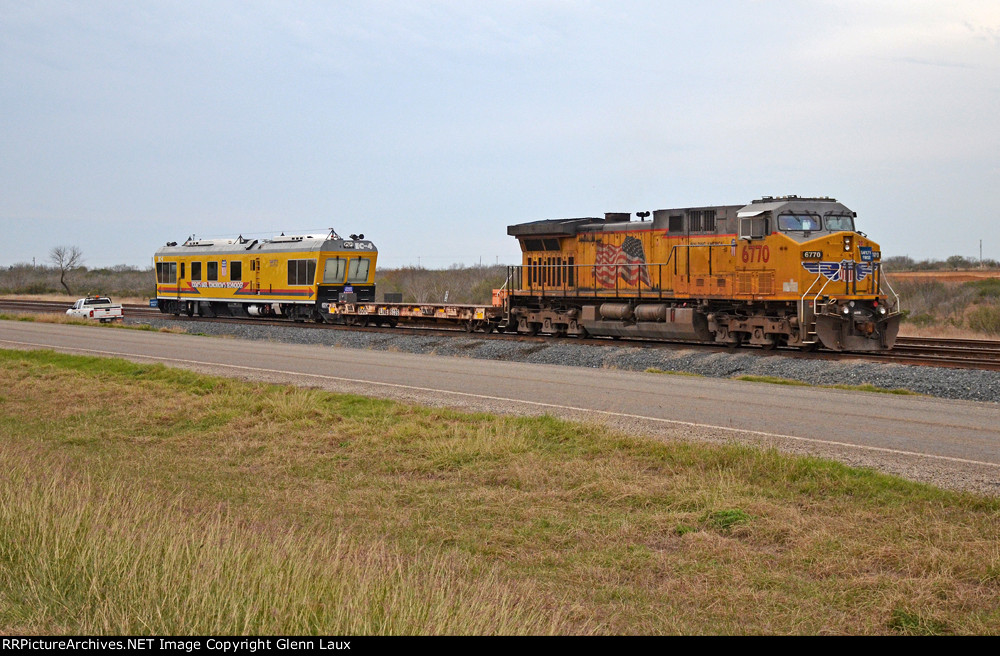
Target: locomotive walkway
point(953, 443)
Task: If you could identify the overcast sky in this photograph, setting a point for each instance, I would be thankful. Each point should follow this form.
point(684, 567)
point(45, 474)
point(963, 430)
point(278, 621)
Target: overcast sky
point(430, 126)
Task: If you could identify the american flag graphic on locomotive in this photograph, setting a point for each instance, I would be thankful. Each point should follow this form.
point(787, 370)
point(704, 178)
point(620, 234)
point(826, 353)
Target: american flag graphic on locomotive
point(626, 262)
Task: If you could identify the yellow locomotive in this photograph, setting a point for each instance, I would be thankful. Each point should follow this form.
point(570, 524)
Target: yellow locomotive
point(296, 276)
point(780, 271)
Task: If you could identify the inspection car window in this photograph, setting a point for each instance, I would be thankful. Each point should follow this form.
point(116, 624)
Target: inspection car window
point(839, 222)
point(301, 272)
point(166, 272)
point(358, 271)
point(196, 271)
point(334, 270)
point(236, 271)
point(212, 270)
point(788, 222)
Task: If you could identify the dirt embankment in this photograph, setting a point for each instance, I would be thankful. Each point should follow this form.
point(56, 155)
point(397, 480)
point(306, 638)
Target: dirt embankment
point(944, 276)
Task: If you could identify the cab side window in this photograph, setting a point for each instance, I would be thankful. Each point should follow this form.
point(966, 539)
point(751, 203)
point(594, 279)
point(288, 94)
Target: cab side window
point(334, 270)
point(301, 272)
point(358, 269)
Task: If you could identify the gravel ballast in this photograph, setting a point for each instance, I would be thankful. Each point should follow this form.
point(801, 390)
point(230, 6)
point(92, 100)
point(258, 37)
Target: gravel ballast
point(942, 382)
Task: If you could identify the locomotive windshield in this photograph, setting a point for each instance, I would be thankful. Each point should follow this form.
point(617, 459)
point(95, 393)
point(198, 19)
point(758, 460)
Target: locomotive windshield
point(800, 222)
point(839, 222)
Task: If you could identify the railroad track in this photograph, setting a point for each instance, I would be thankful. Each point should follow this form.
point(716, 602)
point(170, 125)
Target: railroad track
point(925, 351)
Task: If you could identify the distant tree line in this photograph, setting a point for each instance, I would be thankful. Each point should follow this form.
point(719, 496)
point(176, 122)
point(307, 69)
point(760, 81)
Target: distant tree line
point(119, 280)
point(955, 262)
point(65, 275)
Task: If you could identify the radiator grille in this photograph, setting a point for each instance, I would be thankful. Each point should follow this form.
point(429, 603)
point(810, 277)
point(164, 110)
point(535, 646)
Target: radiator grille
point(744, 283)
point(765, 282)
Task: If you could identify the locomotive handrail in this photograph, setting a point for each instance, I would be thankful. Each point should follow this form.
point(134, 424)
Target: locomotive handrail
point(819, 293)
point(882, 278)
point(689, 246)
point(802, 307)
point(523, 277)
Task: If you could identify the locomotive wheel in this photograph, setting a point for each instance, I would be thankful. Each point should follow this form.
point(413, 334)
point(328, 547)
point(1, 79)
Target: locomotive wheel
point(470, 326)
point(533, 328)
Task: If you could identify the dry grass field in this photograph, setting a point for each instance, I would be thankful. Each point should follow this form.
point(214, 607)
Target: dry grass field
point(139, 499)
point(945, 276)
point(957, 304)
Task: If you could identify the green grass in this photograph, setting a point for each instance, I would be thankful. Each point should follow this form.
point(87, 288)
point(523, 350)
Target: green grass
point(142, 499)
point(79, 321)
point(985, 319)
point(654, 370)
point(774, 380)
point(987, 289)
point(725, 519)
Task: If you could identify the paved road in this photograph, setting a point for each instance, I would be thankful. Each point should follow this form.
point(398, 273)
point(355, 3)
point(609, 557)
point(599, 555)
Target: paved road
point(937, 432)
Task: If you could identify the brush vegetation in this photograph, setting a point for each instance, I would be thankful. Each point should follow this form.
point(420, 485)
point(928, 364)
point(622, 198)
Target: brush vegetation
point(142, 499)
point(949, 307)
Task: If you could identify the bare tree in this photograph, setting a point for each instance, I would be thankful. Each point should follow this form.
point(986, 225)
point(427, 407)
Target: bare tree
point(66, 258)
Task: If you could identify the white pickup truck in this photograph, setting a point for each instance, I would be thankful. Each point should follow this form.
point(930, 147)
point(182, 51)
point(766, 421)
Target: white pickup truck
point(96, 307)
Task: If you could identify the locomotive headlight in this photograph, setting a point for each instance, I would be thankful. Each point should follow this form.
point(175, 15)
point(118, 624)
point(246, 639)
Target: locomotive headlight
point(881, 309)
point(846, 310)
